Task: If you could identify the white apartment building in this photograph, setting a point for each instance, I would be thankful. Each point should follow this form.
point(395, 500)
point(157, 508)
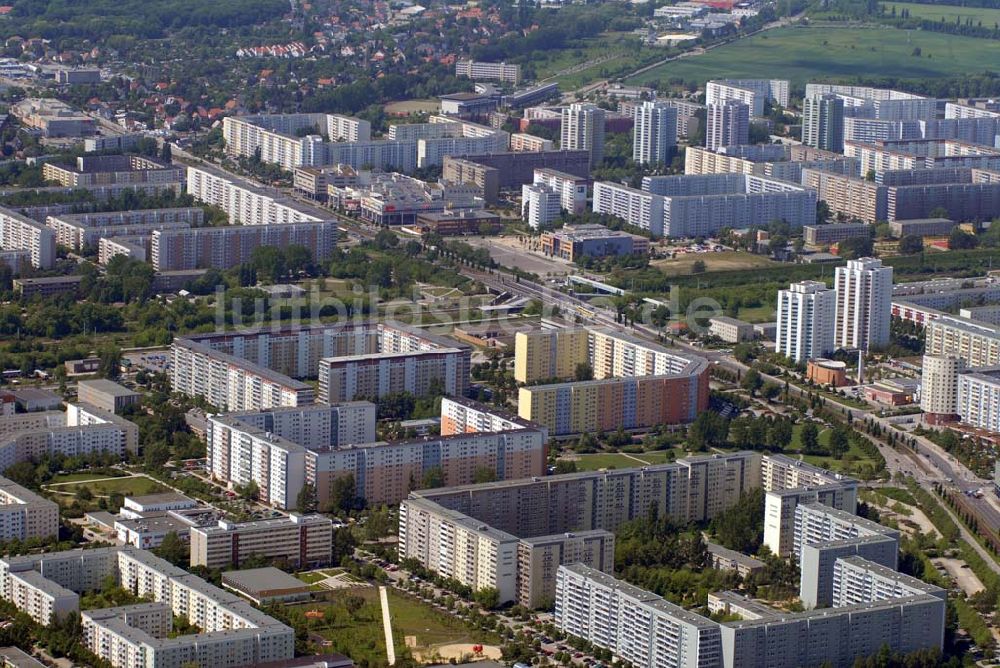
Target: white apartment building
point(20, 233)
point(751, 92)
point(572, 189)
point(819, 523)
point(84, 229)
point(729, 329)
point(958, 110)
point(636, 207)
point(864, 304)
point(541, 205)
point(859, 580)
point(977, 343)
point(244, 202)
point(654, 135)
point(24, 514)
point(636, 625)
point(806, 318)
point(483, 71)
point(276, 136)
point(522, 142)
point(300, 540)
point(979, 398)
point(268, 447)
point(583, 128)
point(817, 562)
point(727, 124)
point(939, 384)
point(879, 103)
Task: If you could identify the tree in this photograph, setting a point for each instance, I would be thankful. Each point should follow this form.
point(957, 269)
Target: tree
point(173, 549)
point(484, 474)
point(856, 247)
point(343, 494)
point(84, 494)
point(959, 239)
point(583, 371)
point(433, 478)
point(708, 430)
point(306, 500)
point(698, 267)
point(911, 244)
point(839, 443)
point(111, 362)
point(249, 491)
point(770, 391)
point(809, 438)
point(752, 382)
point(488, 597)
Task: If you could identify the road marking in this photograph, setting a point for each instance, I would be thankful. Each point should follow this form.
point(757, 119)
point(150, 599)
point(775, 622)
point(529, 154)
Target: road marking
point(390, 648)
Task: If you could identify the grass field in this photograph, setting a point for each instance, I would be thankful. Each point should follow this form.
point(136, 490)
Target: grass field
point(127, 486)
point(756, 314)
point(987, 15)
point(804, 53)
point(725, 261)
point(405, 107)
point(615, 460)
point(853, 458)
point(79, 477)
point(592, 58)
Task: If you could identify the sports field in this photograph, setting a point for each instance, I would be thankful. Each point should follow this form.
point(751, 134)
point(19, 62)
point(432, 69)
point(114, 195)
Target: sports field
point(804, 53)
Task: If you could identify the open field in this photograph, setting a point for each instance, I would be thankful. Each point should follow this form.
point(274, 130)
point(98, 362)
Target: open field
point(591, 59)
point(127, 486)
point(756, 314)
point(619, 460)
point(987, 15)
point(802, 53)
point(682, 265)
point(80, 477)
point(406, 107)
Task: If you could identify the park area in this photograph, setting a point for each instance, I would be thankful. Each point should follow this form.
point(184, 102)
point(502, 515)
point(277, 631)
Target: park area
point(622, 460)
point(805, 53)
point(351, 622)
point(686, 263)
point(66, 488)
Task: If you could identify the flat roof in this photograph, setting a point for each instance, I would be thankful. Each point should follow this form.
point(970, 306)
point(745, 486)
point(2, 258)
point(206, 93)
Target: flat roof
point(256, 580)
point(163, 497)
point(108, 387)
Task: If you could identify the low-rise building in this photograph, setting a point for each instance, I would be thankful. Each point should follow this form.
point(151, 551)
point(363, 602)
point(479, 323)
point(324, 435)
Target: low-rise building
point(825, 235)
point(572, 242)
point(827, 372)
point(265, 585)
point(299, 540)
point(724, 559)
point(729, 329)
point(106, 394)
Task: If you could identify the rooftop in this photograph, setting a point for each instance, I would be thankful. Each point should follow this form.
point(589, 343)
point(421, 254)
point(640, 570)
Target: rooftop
point(108, 387)
point(253, 581)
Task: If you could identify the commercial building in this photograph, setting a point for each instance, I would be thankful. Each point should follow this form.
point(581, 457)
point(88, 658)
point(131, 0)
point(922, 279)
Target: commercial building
point(823, 122)
point(729, 329)
point(636, 625)
point(583, 129)
point(179, 249)
point(727, 124)
point(824, 235)
point(864, 304)
point(24, 514)
point(482, 71)
point(244, 202)
point(529, 96)
point(106, 394)
point(459, 223)
point(513, 535)
point(654, 137)
point(20, 233)
point(266, 585)
point(80, 230)
point(689, 206)
point(572, 242)
point(806, 320)
point(396, 199)
point(299, 540)
point(468, 105)
point(754, 93)
point(53, 118)
point(315, 181)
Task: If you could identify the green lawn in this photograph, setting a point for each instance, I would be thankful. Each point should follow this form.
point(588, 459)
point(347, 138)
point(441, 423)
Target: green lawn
point(987, 15)
point(311, 577)
point(852, 459)
point(682, 265)
point(756, 314)
point(606, 55)
point(796, 444)
point(803, 53)
point(81, 477)
point(616, 460)
point(128, 486)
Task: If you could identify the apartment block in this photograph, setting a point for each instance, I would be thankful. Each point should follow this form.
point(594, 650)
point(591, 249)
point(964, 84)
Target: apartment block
point(20, 233)
point(224, 247)
point(878, 103)
point(77, 230)
point(487, 179)
point(864, 304)
point(727, 124)
point(978, 401)
point(546, 521)
point(541, 205)
point(806, 320)
point(525, 142)
point(859, 580)
point(823, 122)
point(277, 136)
point(108, 170)
point(654, 134)
point(464, 416)
point(819, 523)
point(517, 168)
point(977, 343)
point(24, 514)
point(583, 129)
point(483, 71)
point(818, 561)
point(729, 329)
point(752, 92)
point(571, 189)
point(636, 625)
point(244, 202)
point(636, 207)
point(299, 540)
point(939, 383)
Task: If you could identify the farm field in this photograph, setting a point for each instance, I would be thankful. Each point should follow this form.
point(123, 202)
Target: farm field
point(987, 15)
point(803, 53)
